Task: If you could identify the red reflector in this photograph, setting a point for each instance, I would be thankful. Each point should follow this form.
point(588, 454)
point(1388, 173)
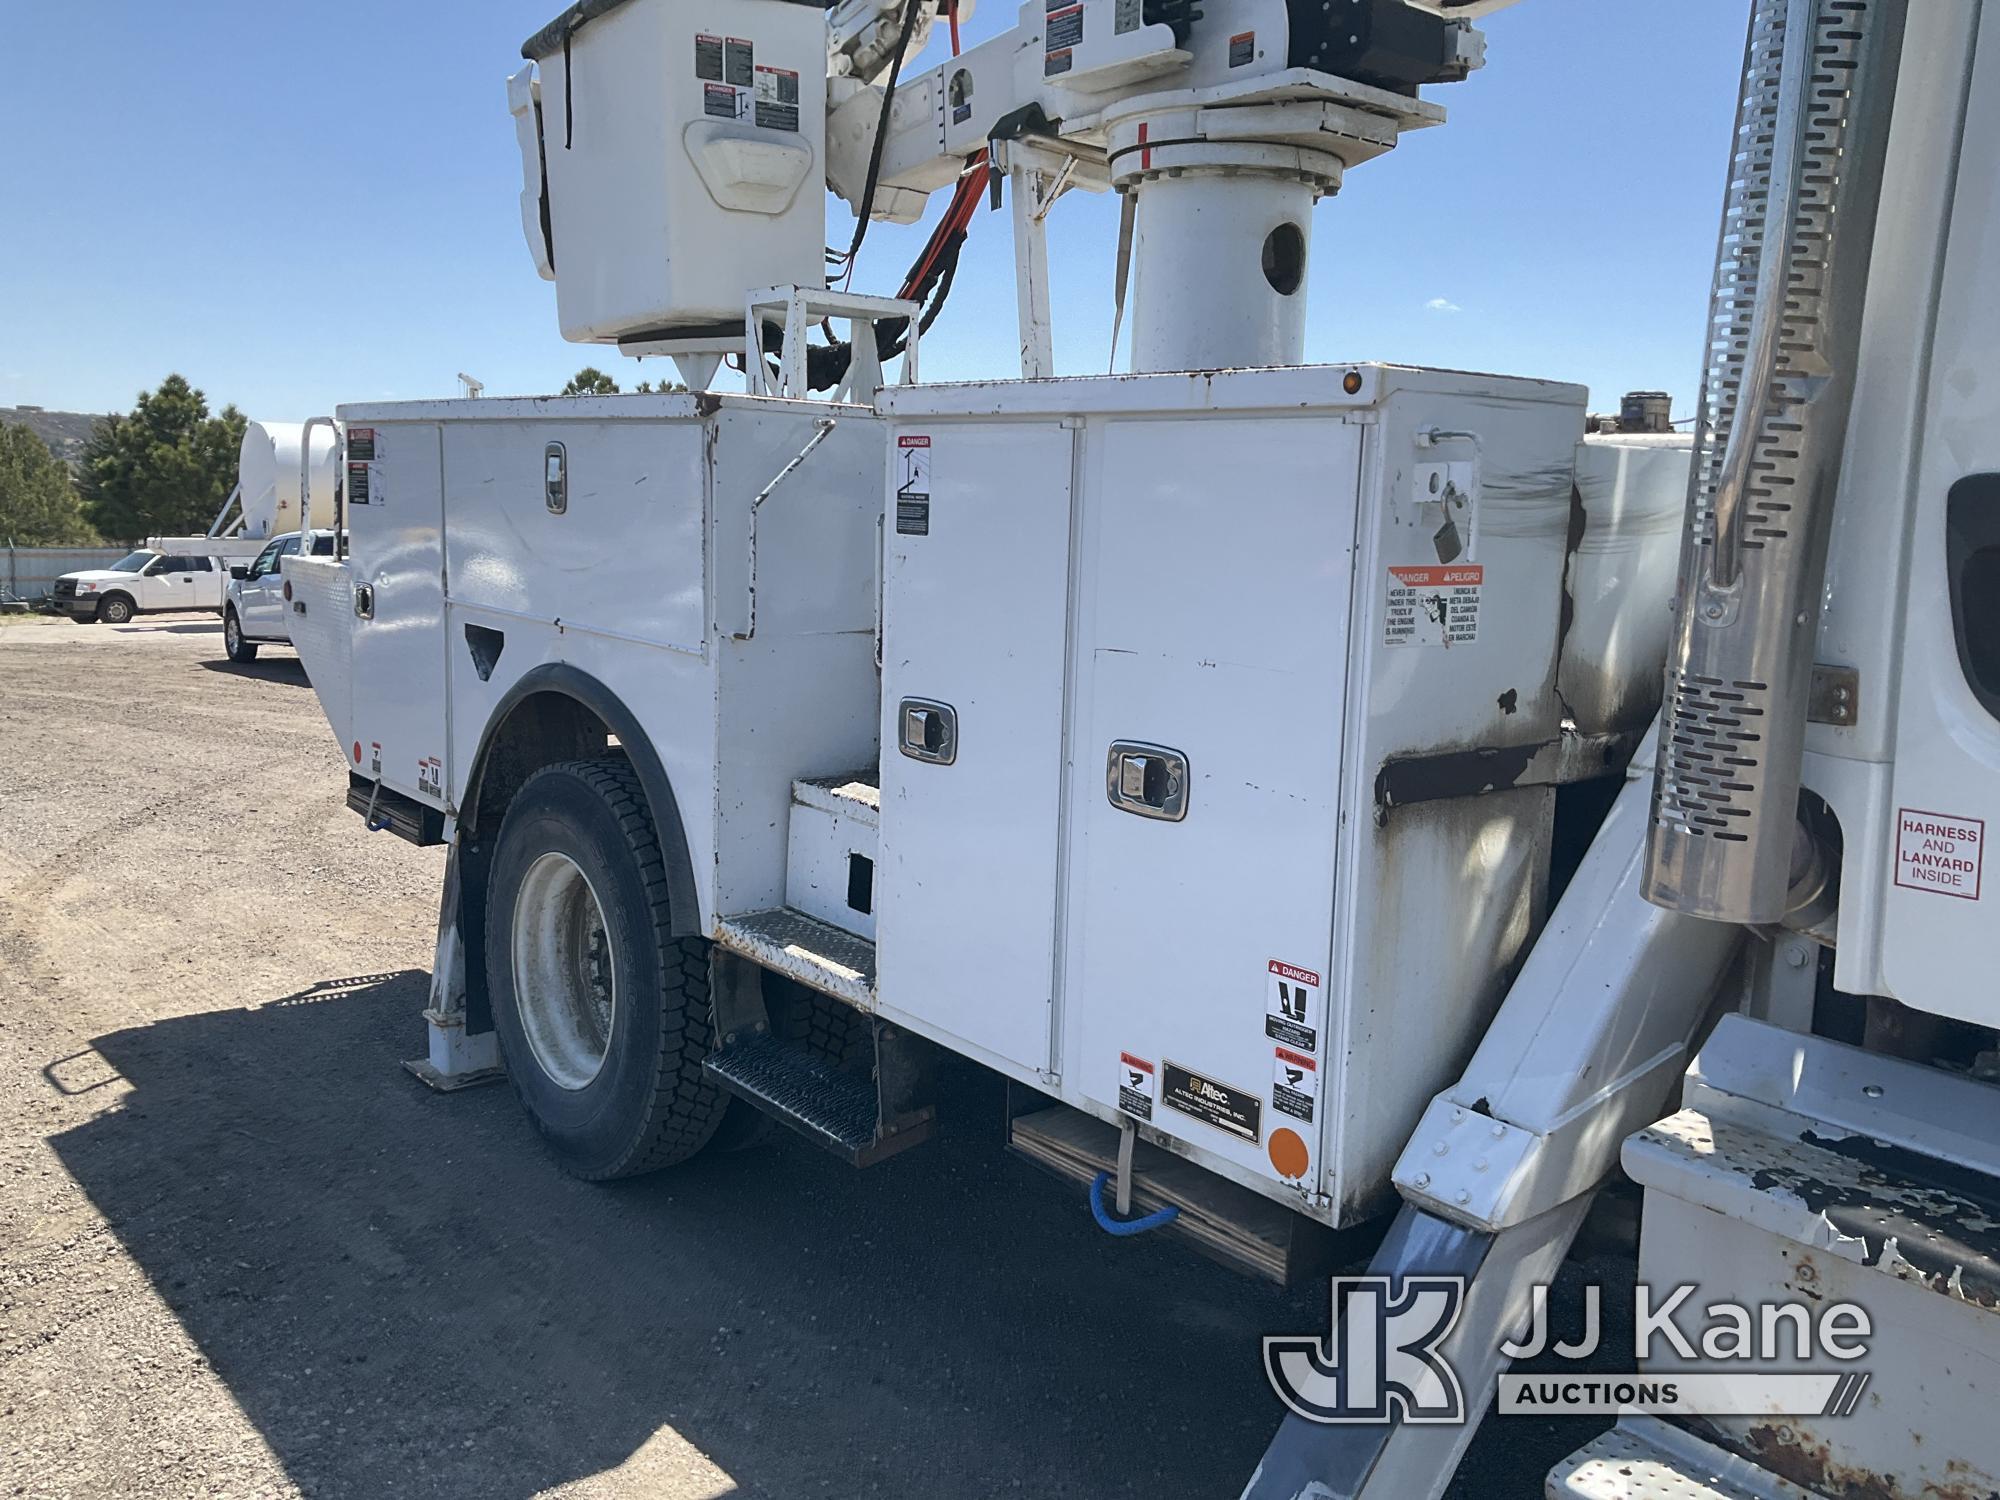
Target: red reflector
point(288, 588)
point(357, 752)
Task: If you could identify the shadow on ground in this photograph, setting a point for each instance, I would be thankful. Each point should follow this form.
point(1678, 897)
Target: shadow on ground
point(288, 670)
point(211, 626)
point(406, 1297)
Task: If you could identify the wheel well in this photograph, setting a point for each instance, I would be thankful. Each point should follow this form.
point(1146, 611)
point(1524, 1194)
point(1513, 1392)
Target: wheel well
point(557, 713)
point(103, 599)
point(542, 729)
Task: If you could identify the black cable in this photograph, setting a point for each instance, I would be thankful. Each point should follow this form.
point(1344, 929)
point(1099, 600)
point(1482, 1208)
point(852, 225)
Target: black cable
point(569, 90)
point(881, 136)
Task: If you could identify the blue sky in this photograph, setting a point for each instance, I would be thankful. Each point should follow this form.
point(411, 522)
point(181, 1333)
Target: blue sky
point(297, 205)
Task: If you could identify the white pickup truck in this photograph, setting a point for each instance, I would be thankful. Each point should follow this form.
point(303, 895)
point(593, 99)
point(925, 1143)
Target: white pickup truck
point(147, 582)
point(255, 611)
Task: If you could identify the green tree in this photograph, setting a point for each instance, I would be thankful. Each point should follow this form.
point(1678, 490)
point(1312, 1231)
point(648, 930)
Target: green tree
point(590, 381)
point(39, 506)
point(165, 467)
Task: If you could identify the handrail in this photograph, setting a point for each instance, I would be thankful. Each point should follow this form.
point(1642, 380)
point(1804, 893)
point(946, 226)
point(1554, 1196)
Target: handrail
point(339, 482)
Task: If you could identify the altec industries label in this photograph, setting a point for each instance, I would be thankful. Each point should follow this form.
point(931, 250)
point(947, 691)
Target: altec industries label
point(1433, 606)
point(1940, 853)
point(1137, 1083)
point(1235, 1111)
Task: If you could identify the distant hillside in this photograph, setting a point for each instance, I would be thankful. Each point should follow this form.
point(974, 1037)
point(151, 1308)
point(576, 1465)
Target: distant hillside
point(66, 432)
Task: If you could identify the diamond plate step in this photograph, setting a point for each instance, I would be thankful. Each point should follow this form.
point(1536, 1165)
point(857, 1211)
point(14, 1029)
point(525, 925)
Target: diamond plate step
point(1644, 1458)
point(834, 1109)
point(804, 948)
point(857, 794)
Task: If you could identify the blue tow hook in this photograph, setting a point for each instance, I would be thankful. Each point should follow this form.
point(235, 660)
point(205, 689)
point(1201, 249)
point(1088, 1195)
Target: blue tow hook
point(1158, 1218)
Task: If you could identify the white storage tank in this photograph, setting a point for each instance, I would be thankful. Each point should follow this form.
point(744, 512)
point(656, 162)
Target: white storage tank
point(1632, 494)
point(267, 467)
point(673, 157)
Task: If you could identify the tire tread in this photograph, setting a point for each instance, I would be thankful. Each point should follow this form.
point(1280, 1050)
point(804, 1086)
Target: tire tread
point(685, 1105)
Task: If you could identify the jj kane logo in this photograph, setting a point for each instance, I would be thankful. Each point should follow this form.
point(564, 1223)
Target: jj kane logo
point(1384, 1358)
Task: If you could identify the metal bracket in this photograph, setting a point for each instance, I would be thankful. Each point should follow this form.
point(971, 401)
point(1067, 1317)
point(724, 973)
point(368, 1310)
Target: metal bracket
point(1835, 697)
point(797, 309)
point(736, 990)
point(456, 1057)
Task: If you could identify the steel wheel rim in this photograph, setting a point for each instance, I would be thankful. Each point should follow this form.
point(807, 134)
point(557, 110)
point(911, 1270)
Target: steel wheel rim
point(565, 978)
point(232, 634)
point(116, 612)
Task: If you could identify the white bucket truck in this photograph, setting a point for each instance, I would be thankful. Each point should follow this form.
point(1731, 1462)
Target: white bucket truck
point(1196, 747)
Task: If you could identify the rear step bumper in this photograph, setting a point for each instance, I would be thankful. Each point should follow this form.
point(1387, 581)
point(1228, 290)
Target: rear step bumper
point(1225, 1221)
point(392, 812)
point(1644, 1458)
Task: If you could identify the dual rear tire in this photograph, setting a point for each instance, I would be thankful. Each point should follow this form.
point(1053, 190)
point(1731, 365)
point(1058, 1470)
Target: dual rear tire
point(602, 1012)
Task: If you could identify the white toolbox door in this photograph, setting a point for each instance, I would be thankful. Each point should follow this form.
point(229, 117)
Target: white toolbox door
point(1220, 555)
point(395, 521)
point(975, 592)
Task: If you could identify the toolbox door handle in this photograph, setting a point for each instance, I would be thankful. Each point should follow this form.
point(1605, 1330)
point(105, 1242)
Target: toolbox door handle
point(1149, 781)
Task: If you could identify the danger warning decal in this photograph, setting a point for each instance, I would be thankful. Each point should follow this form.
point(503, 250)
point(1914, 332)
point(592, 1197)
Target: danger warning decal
point(721, 101)
point(777, 98)
point(913, 486)
point(1294, 1083)
point(1062, 30)
point(1432, 606)
point(1291, 1006)
point(1234, 1110)
point(1137, 1084)
point(1940, 853)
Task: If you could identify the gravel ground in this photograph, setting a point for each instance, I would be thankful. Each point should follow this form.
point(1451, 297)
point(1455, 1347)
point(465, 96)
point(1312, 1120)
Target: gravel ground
point(242, 1253)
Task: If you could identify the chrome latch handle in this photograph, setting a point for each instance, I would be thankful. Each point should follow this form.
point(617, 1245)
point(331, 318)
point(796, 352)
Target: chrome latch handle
point(927, 731)
point(1150, 781)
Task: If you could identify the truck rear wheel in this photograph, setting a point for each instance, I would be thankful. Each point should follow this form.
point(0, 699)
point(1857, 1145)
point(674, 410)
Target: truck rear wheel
point(603, 1016)
point(232, 639)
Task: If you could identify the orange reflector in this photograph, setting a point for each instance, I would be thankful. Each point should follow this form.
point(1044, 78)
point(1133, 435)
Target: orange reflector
point(1289, 1154)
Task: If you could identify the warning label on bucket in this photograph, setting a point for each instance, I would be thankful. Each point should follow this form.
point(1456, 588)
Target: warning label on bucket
point(721, 101)
point(777, 98)
point(1940, 853)
point(1137, 1083)
point(1432, 606)
point(1291, 1006)
point(1294, 1083)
